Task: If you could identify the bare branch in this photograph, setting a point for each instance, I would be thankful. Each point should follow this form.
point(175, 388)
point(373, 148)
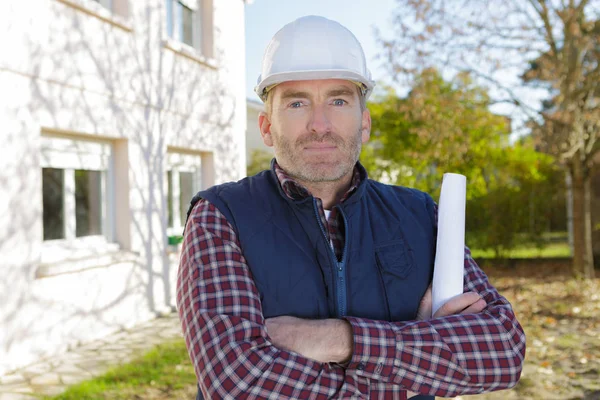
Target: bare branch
point(544, 15)
point(582, 6)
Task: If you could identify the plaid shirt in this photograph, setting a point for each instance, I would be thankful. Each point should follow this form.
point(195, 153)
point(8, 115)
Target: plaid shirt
point(334, 226)
point(224, 328)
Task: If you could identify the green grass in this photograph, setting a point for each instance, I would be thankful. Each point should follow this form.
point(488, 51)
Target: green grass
point(165, 368)
point(549, 251)
point(569, 341)
point(556, 236)
point(553, 245)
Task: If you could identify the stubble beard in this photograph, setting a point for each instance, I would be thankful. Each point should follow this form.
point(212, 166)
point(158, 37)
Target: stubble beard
point(289, 157)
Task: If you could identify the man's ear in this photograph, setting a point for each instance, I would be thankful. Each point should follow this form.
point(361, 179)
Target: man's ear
point(264, 123)
point(366, 126)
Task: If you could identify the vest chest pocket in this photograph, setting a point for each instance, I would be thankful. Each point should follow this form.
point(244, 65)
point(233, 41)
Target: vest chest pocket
point(395, 258)
point(402, 288)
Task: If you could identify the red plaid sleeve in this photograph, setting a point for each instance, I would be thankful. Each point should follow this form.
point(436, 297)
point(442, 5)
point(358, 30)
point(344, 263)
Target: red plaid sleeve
point(223, 325)
point(449, 356)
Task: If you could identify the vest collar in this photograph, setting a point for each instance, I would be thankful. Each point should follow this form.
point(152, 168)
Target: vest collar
point(303, 196)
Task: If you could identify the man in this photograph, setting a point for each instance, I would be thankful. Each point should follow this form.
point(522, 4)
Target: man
point(310, 281)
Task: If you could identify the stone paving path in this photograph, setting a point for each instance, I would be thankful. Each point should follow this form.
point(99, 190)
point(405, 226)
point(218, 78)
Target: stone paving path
point(53, 375)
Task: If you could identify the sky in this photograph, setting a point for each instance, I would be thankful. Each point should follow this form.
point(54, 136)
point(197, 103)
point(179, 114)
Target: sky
point(265, 17)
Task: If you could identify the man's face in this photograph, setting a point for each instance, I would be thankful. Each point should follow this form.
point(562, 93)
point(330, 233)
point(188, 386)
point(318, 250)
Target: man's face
point(316, 128)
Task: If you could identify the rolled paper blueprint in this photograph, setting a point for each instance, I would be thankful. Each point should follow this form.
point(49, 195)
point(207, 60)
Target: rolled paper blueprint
point(449, 263)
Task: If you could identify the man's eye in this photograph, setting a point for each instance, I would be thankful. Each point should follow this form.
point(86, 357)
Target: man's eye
point(339, 102)
point(296, 104)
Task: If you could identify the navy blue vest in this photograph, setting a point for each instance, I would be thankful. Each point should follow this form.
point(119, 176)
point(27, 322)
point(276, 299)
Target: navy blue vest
point(387, 261)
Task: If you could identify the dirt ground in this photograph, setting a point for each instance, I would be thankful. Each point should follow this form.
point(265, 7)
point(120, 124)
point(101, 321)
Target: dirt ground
point(561, 318)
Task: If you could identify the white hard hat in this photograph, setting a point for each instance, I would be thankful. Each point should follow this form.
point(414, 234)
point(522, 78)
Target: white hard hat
point(310, 48)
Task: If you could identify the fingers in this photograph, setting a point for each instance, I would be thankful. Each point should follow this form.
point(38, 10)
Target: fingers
point(460, 304)
point(475, 308)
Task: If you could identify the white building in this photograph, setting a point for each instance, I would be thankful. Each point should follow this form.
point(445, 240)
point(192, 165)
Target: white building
point(114, 112)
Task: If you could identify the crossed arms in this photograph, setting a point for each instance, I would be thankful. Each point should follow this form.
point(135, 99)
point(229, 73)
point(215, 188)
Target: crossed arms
point(235, 350)
point(330, 340)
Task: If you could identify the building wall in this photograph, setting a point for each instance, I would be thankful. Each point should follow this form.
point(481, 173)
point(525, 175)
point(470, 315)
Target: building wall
point(70, 69)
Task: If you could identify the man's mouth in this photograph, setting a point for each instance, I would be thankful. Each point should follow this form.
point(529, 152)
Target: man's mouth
point(320, 147)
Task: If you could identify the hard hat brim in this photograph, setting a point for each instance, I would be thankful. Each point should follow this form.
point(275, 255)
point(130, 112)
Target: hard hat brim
point(288, 76)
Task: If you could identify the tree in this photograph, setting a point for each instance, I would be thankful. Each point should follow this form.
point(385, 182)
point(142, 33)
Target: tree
point(259, 161)
point(443, 126)
point(439, 127)
point(551, 44)
point(571, 131)
point(522, 205)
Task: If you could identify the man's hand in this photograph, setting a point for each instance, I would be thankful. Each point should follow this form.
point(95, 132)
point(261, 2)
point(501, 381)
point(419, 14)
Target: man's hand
point(323, 340)
point(465, 303)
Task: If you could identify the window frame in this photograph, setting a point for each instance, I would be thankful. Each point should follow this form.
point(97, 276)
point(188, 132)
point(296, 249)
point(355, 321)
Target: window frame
point(177, 163)
point(114, 12)
point(175, 25)
point(70, 154)
point(108, 4)
point(201, 49)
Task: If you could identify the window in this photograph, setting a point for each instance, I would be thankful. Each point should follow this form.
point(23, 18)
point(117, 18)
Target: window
point(105, 3)
point(88, 202)
point(53, 184)
point(184, 180)
point(74, 188)
point(116, 7)
point(114, 12)
point(186, 23)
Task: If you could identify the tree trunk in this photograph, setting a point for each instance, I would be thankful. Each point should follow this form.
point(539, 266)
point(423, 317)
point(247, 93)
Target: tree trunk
point(589, 246)
point(569, 185)
point(583, 264)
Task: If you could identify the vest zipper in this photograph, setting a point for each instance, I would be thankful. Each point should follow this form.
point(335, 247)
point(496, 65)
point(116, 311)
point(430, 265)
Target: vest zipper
point(340, 284)
point(342, 268)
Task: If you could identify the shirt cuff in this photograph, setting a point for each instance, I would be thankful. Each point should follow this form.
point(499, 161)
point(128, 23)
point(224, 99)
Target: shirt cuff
point(374, 348)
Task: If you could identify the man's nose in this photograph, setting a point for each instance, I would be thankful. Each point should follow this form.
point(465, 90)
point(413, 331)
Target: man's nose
point(319, 122)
